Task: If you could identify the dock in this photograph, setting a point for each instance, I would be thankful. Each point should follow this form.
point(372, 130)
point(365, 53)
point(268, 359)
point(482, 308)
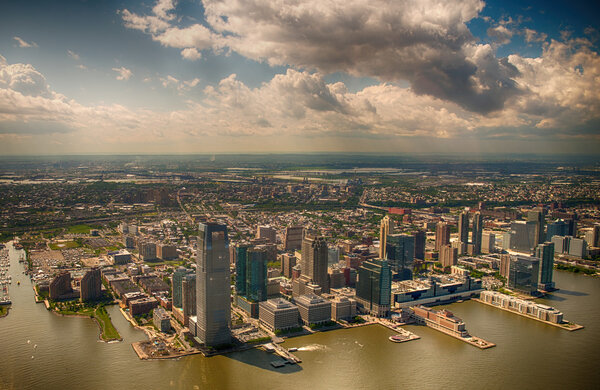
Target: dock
point(566, 326)
point(289, 357)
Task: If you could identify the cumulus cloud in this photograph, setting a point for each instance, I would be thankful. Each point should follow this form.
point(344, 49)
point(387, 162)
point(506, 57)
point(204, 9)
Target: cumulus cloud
point(500, 33)
point(191, 53)
point(123, 73)
point(534, 36)
point(22, 43)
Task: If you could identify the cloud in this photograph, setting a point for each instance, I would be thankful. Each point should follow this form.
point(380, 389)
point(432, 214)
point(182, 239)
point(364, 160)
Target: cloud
point(123, 73)
point(191, 53)
point(533, 36)
point(23, 43)
point(73, 55)
point(500, 33)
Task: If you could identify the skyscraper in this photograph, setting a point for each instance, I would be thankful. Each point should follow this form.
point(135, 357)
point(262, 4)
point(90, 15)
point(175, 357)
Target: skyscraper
point(213, 306)
point(463, 227)
point(477, 232)
point(442, 235)
point(91, 285)
point(523, 274)
point(374, 287)
point(178, 276)
point(448, 256)
point(545, 252)
point(188, 296)
point(239, 252)
point(420, 239)
point(315, 256)
point(537, 217)
point(293, 238)
point(523, 236)
point(386, 228)
point(400, 255)
point(267, 232)
point(256, 274)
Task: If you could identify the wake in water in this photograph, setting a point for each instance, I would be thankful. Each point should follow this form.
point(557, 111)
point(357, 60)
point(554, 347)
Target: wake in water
point(314, 347)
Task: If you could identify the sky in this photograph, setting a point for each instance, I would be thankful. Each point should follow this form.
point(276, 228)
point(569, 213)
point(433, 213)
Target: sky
point(281, 76)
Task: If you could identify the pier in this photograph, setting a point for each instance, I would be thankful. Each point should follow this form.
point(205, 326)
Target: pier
point(444, 321)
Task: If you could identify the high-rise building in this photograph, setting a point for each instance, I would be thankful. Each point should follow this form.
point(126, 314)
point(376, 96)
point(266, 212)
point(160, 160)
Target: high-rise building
point(523, 236)
point(570, 246)
point(166, 252)
point(213, 302)
point(176, 285)
point(239, 253)
point(147, 250)
point(488, 242)
point(288, 262)
point(293, 238)
point(545, 252)
point(256, 274)
point(374, 287)
point(477, 232)
point(463, 227)
point(592, 237)
point(60, 286)
point(448, 256)
point(386, 228)
point(188, 297)
point(523, 274)
point(400, 255)
point(314, 261)
point(333, 255)
point(537, 216)
point(504, 265)
point(420, 239)
point(557, 228)
point(267, 232)
point(91, 285)
point(442, 235)
point(278, 314)
point(313, 309)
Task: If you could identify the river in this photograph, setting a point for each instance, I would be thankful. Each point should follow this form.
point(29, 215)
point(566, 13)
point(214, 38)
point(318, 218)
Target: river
point(529, 354)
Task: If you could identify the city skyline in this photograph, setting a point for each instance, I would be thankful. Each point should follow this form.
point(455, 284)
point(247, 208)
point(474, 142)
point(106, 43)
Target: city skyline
point(230, 77)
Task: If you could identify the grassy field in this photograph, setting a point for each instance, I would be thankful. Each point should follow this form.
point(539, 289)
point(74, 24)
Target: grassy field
point(80, 229)
point(64, 245)
point(109, 332)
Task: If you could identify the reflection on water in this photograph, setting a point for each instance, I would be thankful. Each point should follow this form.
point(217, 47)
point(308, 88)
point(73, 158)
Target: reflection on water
point(529, 354)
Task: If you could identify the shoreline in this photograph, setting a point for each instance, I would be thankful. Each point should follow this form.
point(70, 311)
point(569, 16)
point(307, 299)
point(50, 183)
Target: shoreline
point(92, 318)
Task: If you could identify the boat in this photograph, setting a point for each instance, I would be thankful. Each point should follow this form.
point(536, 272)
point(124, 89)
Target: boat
point(18, 283)
point(293, 349)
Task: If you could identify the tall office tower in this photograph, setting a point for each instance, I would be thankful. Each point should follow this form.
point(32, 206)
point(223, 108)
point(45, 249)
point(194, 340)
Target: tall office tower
point(256, 274)
point(213, 305)
point(523, 274)
point(293, 238)
point(442, 235)
point(523, 236)
point(239, 253)
point(267, 232)
point(178, 276)
point(420, 239)
point(488, 242)
point(571, 227)
point(188, 296)
point(374, 287)
point(504, 265)
point(314, 261)
point(545, 252)
point(448, 256)
point(386, 228)
point(477, 232)
point(333, 254)
point(91, 285)
point(463, 227)
point(557, 228)
point(537, 217)
point(401, 254)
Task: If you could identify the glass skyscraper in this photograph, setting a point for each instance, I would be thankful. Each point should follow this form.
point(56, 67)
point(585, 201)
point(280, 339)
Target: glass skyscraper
point(401, 254)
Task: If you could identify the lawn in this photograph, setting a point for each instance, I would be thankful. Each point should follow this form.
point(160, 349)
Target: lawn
point(64, 245)
point(80, 229)
point(109, 332)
